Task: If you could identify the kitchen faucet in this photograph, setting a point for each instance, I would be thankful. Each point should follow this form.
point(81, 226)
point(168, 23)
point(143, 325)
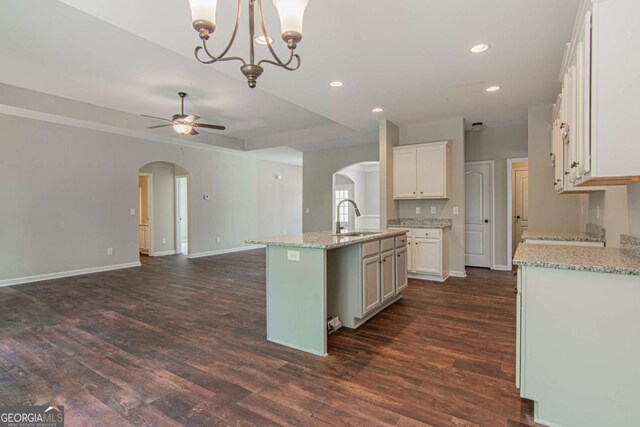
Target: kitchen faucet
point(357, 211)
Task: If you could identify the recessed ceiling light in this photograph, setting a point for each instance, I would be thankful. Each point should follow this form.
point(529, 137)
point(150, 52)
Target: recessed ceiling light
point(493, 88)
point(336, 84)
point(377, 110)
point(479, 48)
point(261, 40)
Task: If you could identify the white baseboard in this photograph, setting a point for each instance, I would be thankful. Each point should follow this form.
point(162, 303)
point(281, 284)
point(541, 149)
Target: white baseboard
point(61, 274)
point(454, 273)
point(164, 253)
point(430, 277)
point(501, 268)
point(225, 251)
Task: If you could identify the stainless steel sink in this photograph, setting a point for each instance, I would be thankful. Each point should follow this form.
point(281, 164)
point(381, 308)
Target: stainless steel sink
point(356, 234)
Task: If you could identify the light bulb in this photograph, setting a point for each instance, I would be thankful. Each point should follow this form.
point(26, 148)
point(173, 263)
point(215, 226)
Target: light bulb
point(182, 128)
point(203, 15)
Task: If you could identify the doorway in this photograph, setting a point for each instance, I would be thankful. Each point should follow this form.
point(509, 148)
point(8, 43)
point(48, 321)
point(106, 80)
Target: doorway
point(145, 197)
point(479, 228)
point(518, 202)
point(361, 183)
point(182, 218)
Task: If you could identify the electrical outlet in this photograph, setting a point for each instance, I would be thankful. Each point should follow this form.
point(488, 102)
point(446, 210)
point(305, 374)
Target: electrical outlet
point(217, 240)
point(164, 240)
point(307, 210)
point(205, 197)
point(132, 212)
point(433, 210)
point(456, 210)
point(293, 255)
point(109, 251)
point(418, 210)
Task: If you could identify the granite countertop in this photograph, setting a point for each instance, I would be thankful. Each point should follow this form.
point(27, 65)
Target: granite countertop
point(578, 258)
point(420, 223)
point(324, 239)
point(561, 236)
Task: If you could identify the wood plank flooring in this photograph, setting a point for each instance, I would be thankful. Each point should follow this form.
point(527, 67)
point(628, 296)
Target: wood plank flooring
point(182, 342)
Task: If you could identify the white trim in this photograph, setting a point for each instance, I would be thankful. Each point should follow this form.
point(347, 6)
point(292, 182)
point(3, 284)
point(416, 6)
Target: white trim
point(501, 268)
point(150, 251)
point(493, 206)
point(225, 251)
point(454, 273)
point(510, 163)
point(61, 274)
point(165, 253)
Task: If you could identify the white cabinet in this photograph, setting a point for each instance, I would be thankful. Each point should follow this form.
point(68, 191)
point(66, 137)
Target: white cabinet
point(370, 284)
point(428, 254)
point(599, 102)
point(422, 171)
point(387, 275)
point(402, 279)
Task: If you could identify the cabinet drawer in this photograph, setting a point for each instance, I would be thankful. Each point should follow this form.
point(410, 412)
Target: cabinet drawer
point(430, 233)
point(370, 248)
point(401, 241)
point(386, 244)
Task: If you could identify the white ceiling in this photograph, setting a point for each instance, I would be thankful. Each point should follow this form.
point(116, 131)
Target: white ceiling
point(410, 57)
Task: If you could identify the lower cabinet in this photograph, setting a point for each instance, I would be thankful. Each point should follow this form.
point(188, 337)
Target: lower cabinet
point(427, 254)
point(371, 284)
point(387, 273)
point(402, 278)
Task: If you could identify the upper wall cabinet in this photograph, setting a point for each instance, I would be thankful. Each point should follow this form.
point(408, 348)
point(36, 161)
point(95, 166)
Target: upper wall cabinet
point(595, 133)
point(422, 171)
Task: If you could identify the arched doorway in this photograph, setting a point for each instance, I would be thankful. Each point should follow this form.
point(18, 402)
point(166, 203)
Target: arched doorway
point(163, 209)
point(360, 182)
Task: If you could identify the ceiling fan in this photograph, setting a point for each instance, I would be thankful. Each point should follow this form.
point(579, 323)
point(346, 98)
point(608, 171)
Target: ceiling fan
point(182, 123)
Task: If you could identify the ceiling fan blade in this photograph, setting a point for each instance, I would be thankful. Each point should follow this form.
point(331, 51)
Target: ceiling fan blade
point(207, 126)
point(194, 132)
point(160, 126)
point(191, 118)
point(154, 117)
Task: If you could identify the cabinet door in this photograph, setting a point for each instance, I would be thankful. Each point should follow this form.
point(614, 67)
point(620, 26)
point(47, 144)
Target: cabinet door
point(518, 291)
point(387, 275)
point(402, 280)
point(432, 171)
point(404, 174)
point(370, 284)
point(428, 255)
point(410, 252)
point(585, 159)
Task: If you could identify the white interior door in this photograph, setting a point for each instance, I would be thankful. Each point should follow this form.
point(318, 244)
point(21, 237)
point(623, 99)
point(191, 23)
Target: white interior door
point(521, 204)
point(478, 215)
point(182, 235)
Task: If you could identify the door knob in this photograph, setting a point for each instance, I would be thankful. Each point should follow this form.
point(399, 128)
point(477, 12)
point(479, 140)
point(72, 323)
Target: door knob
point(518, 217)
point(486, 221)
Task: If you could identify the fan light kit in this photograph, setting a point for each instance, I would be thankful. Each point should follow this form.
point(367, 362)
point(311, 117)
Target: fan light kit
point(479, 48)
point(203, 13)
point(184, 124)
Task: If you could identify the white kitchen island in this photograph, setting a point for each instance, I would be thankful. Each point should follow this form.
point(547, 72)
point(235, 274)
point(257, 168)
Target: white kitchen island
point(313, 278)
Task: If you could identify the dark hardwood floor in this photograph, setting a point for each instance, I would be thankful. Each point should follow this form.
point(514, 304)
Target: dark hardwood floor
point(182, 342)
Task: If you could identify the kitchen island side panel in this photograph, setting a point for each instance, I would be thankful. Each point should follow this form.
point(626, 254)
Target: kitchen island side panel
point(296, 298)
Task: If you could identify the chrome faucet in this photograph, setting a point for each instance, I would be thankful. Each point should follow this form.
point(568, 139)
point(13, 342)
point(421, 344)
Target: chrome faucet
point(357, 211)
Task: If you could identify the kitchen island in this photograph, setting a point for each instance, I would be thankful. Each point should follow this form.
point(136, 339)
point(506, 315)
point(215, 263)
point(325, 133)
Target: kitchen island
point(314, 279)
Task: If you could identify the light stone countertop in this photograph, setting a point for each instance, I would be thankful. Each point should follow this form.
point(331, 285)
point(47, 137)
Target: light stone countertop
point(324, 239)
point(421, 223)
point(561, 236)
point(578, 258)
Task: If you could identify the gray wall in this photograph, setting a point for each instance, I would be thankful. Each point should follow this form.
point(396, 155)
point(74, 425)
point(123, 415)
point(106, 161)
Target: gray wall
point(614, 212)
point(389, 137)
point(67, 192)
point(318, 170)
point(453, 130)
point(498, 144)
point(548, 210)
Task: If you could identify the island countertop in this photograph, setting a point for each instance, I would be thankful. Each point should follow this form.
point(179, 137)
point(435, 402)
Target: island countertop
point(325, 239)
point(441, 223)
point(562, 236)
point(578, 258)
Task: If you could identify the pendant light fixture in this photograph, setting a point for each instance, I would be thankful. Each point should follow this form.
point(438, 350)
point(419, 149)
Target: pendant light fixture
point(203, 13)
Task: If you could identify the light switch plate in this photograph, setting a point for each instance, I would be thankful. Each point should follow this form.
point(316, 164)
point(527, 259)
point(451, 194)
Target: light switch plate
point(433, 210)
point(293, 255)
point(307, 210)
point(164, 240)
point(217, 240)
point(418, 210)
point(132, 212)
point(456, 210)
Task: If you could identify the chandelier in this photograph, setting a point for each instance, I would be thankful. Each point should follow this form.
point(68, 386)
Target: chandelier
point(203, 13)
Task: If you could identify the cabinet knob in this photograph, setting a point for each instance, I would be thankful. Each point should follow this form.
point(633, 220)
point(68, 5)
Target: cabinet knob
point(516, 291)
point(414, 192)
